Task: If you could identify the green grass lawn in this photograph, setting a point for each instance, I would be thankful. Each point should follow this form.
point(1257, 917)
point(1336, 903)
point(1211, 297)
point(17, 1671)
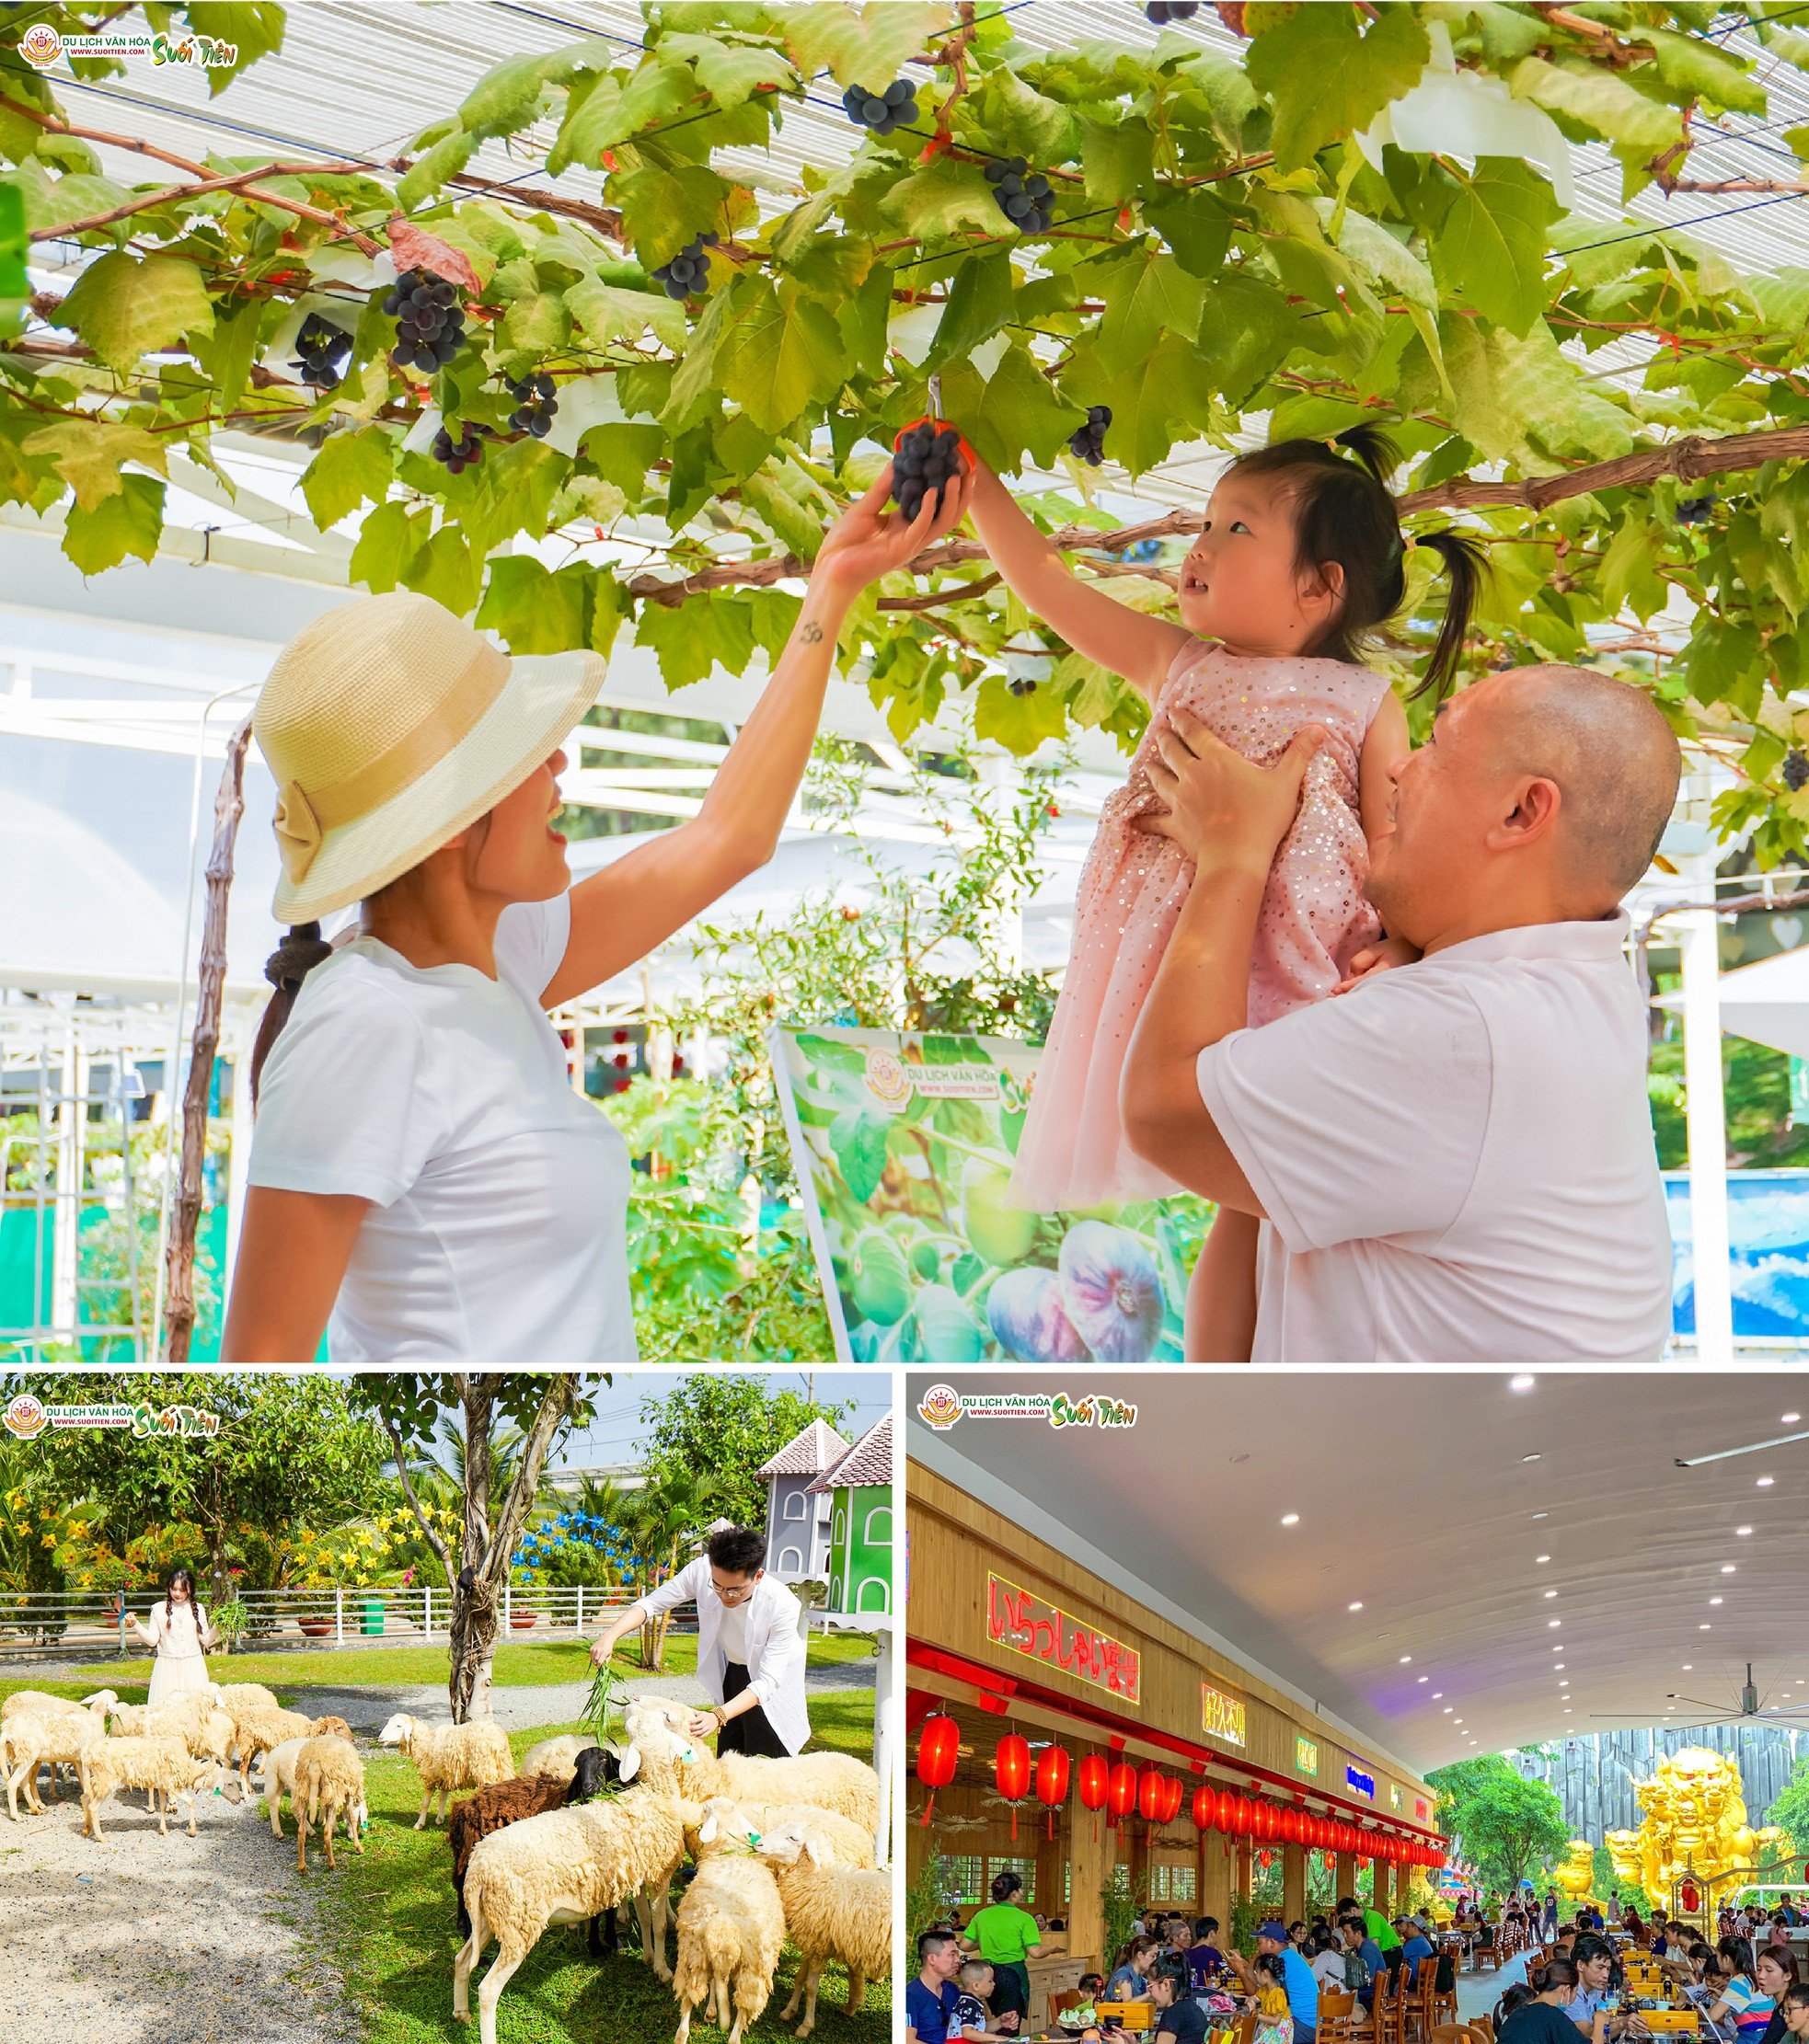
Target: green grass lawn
point(519, 1663)
point(391, 1930)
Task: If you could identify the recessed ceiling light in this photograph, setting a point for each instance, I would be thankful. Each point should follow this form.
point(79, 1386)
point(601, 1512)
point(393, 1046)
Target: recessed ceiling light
point(1405, 1659)
point(1558, 1646)
point(1567, 1710)
point(1447, 1711)
point(1565, 1683)
point(1456, 1721)
point(1530, 1458)
point(1727, 1569)
point(1762, 1483)
point(1687, 1666)
point(1436, 1694)
point(1521, 1384)
point(1702, 1628)
point(1554, 1622)
point(1742, 1531)
point(1717, 1600)
point(1557, 1664)
point(1543, 1560)
point(1541, 1515)
point(1290, 1519)
point(1354, 1607)
point(1551, 1593)
point(1425, 1678)
point(1790, 1418)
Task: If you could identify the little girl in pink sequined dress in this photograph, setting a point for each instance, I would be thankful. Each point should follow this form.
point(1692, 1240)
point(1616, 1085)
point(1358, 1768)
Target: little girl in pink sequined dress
point(1301, 553)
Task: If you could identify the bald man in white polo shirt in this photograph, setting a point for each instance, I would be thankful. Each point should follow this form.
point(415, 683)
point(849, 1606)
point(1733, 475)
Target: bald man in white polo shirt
point(1453, 1159)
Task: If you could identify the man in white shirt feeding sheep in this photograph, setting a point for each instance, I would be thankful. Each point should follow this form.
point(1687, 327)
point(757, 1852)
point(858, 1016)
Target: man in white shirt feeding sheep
point(750, 1649)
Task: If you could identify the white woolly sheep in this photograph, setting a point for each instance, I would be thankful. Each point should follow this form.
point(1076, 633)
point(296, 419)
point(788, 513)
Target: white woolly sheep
point(25, 1702)
point(730, 1931)
point(563, 1866)
point(330, 1784)
point(237, 1697)
point(841, 1912)
point(557, 1757)
point(256, 1731)
point(835, 1839)
point(34, 1739)
point(278, 1780)
point(450, 1757)
point(174, 1714)
point(671, 1759)
point(159, 1763)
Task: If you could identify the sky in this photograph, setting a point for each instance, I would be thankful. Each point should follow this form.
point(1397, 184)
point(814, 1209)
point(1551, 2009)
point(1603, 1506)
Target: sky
point(614, 1435)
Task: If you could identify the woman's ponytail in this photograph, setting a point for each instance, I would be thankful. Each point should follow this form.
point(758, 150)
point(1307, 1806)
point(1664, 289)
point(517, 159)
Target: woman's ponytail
point(301, 950)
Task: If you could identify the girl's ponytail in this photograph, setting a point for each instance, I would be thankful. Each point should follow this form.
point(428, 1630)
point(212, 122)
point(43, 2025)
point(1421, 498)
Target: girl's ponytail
point(1464, 563)
point(285, 969)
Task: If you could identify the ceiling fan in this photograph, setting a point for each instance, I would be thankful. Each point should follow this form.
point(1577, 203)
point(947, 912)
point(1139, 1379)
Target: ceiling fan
point(1747, 1709)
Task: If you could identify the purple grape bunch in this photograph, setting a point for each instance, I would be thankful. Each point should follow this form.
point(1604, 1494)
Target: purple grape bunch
point(1796, 768)
point(1088, 443)
point(896, 107)
point(1162, 12)
point(688, 271)
point(927, 458)
point(1024, 197)
point(457, 455)
point(535, 404)
point(1695, 510)
point(324, 350)
point(429, 322)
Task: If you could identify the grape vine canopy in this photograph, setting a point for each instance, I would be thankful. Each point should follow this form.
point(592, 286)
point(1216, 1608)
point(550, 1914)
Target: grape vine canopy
point(1192, 236)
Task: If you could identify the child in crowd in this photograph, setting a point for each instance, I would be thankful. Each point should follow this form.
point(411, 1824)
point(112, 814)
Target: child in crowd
point(1301, 555)
point(1275, 2020)
point(972, 2021)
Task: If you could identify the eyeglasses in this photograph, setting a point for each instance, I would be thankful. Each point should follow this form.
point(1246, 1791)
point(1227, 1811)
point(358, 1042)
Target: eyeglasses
point(732, 1593)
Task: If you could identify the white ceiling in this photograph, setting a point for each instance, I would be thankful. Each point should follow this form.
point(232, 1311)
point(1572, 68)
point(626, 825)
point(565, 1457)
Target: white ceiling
point(1416, 1501)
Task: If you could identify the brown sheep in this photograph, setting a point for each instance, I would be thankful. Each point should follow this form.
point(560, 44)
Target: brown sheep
point(475, 1817)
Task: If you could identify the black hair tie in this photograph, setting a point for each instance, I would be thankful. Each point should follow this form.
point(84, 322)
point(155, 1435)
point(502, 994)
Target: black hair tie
point(301, 950)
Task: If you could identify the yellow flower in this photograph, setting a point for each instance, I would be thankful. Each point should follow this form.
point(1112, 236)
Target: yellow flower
point(48, 1541)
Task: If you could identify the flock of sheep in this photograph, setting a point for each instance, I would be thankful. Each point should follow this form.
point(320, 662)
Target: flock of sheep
point(782, 1849)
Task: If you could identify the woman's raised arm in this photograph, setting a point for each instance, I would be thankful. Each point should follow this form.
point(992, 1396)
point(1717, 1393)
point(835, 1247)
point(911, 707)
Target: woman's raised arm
point(621, 915)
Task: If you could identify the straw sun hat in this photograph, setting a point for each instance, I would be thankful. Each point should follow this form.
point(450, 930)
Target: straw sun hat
point(390, 726)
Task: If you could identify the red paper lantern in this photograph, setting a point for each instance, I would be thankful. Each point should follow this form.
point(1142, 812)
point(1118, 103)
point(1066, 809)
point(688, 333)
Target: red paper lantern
point(1095, 1780)
point(1225, 1812)
point(1121, 1792)
point(1265, 1861)
point(1271, 1822)
point(939, 1747)
point(1011, 1771)
point(1689, 1897)
point(1052, 1774)
point(1241, 1816)
point(1206, 1809)
point(1173, 1789)
point(1151, 1794)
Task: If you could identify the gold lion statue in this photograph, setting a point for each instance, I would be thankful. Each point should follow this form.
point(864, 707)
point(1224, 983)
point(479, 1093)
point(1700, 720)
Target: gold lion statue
point(1576, 1875)
point(1693, 1820)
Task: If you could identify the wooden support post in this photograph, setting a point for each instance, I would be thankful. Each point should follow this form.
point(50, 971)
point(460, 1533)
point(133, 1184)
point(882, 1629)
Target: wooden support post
point(1294, 1882)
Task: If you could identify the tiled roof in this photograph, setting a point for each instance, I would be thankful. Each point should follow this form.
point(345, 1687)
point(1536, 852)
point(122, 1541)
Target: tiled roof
point(818, 1448)
point(868, 1462)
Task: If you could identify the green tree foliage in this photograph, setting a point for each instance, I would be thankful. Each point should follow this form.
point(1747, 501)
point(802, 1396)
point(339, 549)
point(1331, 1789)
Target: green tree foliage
point(291, 1451)
point(1510, 1827)
point(1231, 235)
point(523, 1413)
point(1792, 1808)
point(725, 1428)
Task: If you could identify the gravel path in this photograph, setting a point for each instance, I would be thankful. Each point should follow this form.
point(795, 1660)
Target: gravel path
point(146, 1940)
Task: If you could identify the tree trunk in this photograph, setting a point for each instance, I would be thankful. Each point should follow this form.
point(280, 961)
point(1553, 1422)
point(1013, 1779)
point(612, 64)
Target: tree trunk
point(473, 1646)
point(179, 1261)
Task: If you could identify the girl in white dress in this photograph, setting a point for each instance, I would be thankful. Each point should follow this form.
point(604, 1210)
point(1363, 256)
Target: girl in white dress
point(178, 1633)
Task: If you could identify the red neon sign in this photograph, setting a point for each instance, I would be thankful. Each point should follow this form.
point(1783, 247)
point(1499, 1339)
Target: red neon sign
point(1027, 1625)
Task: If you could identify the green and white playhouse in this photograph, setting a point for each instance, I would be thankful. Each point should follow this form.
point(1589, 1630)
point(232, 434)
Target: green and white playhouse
point(861, 1520)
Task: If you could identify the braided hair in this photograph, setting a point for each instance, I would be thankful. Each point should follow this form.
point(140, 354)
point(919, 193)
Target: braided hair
point(1345, 512)
point(301, 950)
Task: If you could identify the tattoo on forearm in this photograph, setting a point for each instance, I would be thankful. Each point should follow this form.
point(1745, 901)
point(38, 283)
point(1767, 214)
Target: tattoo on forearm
point(809, 631)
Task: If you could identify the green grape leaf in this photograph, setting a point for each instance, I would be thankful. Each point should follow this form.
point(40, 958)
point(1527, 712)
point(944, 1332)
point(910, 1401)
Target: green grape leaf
point(1488, 241)
point(126, 308)
point(127, 522)
point(1324, 79)
point(535, 610)
point(782, 352)
point(350, 469)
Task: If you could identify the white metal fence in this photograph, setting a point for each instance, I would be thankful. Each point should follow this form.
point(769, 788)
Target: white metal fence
point(67, 1626)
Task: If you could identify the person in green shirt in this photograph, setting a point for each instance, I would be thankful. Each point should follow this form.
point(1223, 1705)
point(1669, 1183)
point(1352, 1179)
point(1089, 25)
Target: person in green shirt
point(1375, 1923)
point(1004, 1934)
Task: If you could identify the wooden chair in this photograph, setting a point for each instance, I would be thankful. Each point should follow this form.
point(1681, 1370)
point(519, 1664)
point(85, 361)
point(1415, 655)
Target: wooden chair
point(1484, 1950)
point(1417, 2003)
point(1337, 2022)
point(1483, 2028)
point(1444, 1970)
point(1385, 2013)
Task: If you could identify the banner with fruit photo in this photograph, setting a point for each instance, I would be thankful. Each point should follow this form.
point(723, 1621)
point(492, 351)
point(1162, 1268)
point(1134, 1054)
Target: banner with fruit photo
point(904, 1144)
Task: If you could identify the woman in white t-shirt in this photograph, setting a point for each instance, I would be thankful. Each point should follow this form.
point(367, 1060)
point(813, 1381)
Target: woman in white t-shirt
point(422, 1169)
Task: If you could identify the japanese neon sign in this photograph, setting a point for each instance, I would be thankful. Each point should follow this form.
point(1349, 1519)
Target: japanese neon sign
point(1222, 1716)
point(1025, 1624)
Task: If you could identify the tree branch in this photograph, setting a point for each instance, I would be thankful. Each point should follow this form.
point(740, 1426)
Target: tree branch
point(141, 148)
point(433, 1539)
point(237, 182)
